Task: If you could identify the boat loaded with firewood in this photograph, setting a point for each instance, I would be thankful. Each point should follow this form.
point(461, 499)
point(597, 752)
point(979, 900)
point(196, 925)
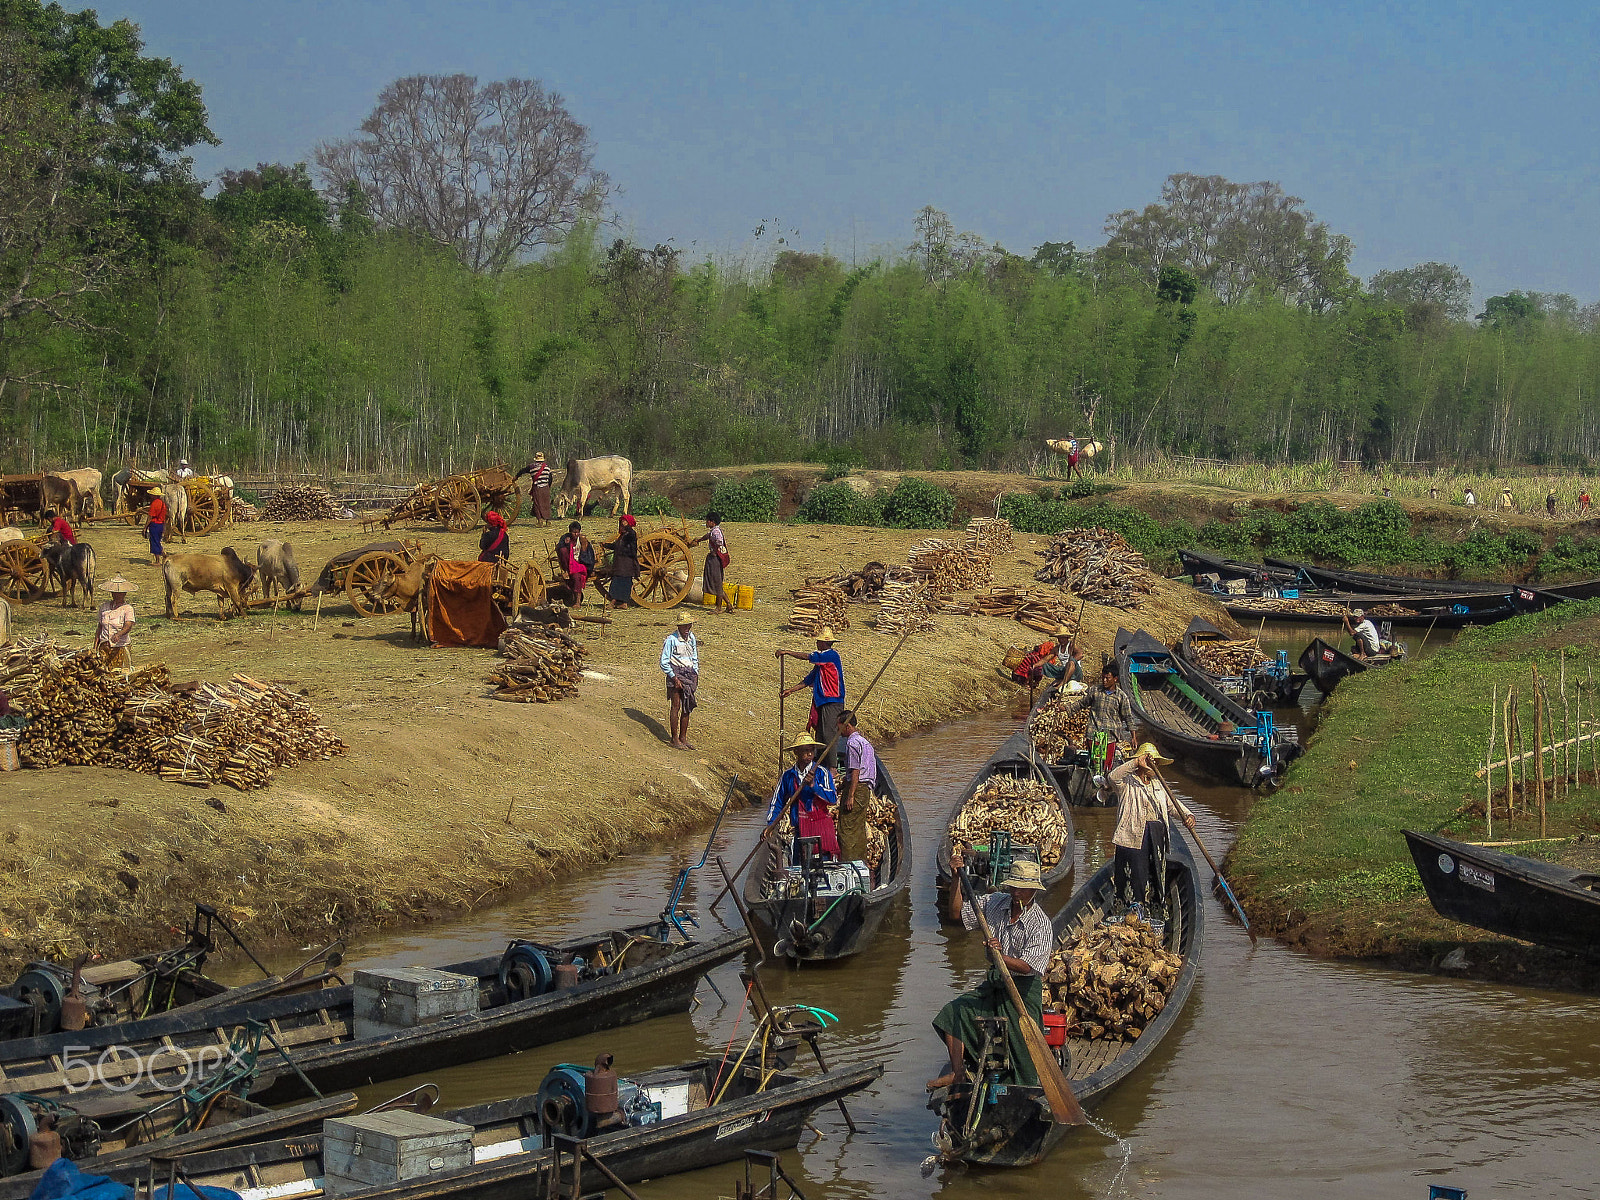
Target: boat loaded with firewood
point(1239, 667)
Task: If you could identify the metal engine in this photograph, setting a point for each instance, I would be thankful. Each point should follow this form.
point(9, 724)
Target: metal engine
point(529, 969)
point(21, 1119)
point(580, 1102)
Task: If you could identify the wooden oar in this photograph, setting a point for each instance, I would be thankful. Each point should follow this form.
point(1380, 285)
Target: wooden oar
point(1194, 836)
point(1064, 1106)
point(773, 824)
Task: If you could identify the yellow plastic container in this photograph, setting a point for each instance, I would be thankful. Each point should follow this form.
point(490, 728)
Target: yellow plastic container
point(744, 596)
point(707, 600)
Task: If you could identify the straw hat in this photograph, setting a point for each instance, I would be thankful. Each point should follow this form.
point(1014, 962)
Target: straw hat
point(1075, 688)
point(1024, 873)
point(805, 742)
point(1062, 631)
point(117, 584)
point(538, 458)
point(1156, 756)
point(685, 619)
point(825, 634)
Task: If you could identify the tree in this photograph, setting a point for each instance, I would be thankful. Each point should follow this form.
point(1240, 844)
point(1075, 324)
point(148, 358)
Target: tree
point(1510, 311)
point(492, 171)
point(271, 192)
point(1435, 284)
point(1058, 259)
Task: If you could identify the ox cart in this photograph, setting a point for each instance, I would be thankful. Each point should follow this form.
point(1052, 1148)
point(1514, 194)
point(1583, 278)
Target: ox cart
point(23, 572)
point(207, 503)
point(459, 501)
point(27, 497)
point(666, 570)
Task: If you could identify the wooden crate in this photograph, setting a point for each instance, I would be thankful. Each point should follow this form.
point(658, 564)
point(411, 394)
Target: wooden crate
point(376, 1149)
point(393, 998)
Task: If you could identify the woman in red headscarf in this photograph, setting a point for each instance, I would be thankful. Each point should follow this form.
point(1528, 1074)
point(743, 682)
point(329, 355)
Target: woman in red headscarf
point(495, 544)
point(624, 561)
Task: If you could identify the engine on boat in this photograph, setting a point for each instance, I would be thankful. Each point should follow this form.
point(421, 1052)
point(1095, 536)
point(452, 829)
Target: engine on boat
point(583, 1101)
point(529, 969)
point(29, 1127)
point(828, 880)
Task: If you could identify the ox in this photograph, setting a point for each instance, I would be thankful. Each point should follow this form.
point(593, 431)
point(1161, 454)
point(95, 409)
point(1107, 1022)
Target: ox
point(403, 589)
point(88, 482)
point(59, 493)
point(177, 499)
point(611, 475)
point(226, 574)
point(73, 565)
point(279, 571)
point(9, 533)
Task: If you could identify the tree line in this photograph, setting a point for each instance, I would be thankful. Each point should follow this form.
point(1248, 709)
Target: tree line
point(443, 288)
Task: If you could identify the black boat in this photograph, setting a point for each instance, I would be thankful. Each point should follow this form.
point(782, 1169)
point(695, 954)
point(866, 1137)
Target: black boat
point(1010, 1126)
point(1072, 767)
point(812, 911)
point(1191, 719)
point(1336, 579)
point(344, 1037)
point(1519, 897)
point(1198, 563)
point(1326, 665)
point(1268, 682)
point(668, 1121)
point(1014, 758)
point(1453, 610)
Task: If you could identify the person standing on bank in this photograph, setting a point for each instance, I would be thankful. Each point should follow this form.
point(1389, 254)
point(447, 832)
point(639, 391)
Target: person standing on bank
point(680, 660)
point(114, 625)
point(716, 560)
point(539, 480)
point(158, 524)
point(624, 562)
point(826, 681)
point(860, 782)
point(495, 544)
point(1143, 835)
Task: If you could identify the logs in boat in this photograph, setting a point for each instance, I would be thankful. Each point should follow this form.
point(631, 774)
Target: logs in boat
point(1011, 1126)
point(1240, 668)
point(1062, 743)
point(811, 911)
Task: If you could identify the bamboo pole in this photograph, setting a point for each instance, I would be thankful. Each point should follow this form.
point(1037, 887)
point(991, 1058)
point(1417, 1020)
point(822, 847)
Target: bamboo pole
point(1566, 726)
point(1594, 749)
point(1506, 720)
point(1538, 738)
point(1546, 794)
point(1582, 737)
point(1488, 759)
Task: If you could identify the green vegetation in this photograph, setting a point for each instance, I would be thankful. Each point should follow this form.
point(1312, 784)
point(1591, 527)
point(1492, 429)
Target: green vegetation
point(754, 499)
point(918, 504)
point(1396, 749)
point(839, 504)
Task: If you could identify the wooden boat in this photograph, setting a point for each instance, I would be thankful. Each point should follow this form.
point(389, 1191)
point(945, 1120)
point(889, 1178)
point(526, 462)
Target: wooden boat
point(1326, 665)
point(1196, 563)
point(625, 975)
point(1072, 769)
point(1190, 718)
point(1336, 579)
point(1441, 611)
point(513, 1147)
point(1519, 897)
point(817, 912)
point(1266, 684)
point(1011, 1126)
point(111, 1133)
point(1014, 758)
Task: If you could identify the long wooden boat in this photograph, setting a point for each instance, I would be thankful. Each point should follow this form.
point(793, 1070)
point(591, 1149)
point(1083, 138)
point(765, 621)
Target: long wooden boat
point(1073, 771)
point(1326, 665)
point(330, 1043)
point(1266, 684)
point(1011, 1126)
point(1014, 758)
point(1191, 719)
point(1504, 893)
point(1454, 610)
point(1196, 563)
point(109, 1133)
point(512, 1153)
point(824, 911)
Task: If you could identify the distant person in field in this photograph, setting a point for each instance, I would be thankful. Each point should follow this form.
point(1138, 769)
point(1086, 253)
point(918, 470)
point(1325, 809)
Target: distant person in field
point(61, 527)
point(680, 661)
point(1550, 502)
point(576, 556)
point(495, 544)
point(1583, 502)
point(157, 525)
point(1506, 501)
point(539, 480)
point(1387, 494)
point(1433, 491)
point(711, 579)
point(1470, 499)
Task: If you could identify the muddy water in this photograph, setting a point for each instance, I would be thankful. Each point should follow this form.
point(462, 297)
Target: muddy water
point(1286, 1077)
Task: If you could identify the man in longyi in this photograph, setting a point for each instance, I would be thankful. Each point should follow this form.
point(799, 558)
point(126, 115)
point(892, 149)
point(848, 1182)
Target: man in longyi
point(1143, 835)
point(806, 790)
point(855, 795)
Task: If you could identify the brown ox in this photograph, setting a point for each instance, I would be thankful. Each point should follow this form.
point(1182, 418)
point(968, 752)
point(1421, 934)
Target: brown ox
point(88, 482)
point(226, 574)
point(59, 493)
point(403, 588)
point(611, 475)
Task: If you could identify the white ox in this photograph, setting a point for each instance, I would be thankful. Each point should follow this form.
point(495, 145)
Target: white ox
point(611, 475)
point(177, 499)
point(87, 480)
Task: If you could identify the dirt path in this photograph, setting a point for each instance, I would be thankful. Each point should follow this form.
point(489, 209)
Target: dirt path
point(412, 822)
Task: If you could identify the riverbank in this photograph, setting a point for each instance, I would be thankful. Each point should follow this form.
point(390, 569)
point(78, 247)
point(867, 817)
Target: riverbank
point(413, 822)
point(1322, 864)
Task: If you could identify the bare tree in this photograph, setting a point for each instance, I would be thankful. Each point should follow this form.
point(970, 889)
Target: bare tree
point(490, 171)
point(1431, 283)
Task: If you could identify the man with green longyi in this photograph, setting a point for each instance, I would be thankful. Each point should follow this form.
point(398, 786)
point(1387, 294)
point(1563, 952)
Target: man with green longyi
point(1024, 940)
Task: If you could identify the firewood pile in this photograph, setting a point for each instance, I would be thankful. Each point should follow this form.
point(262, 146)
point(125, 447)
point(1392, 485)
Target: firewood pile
point(1034, 607)
point(1226, 657)
point(539, 667)
point(300, 502)
point(906, 606)
point(1110, 980)
point(242, 512)
point(949, 567)
point(1310, 606)
point(83, 713)
point(1061, 723)
point(818, 602)
point(1098, 565)
point(882, 816)
point(867, 583)
point(989, 535)
point(1027, 809)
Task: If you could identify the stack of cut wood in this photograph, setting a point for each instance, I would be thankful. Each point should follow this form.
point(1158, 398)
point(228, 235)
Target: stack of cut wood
point(906, 606)
point(1098, 565)
point(989, 535)
point(1311, 606)
point(243, 511)
point(1059, 725)
point(1226, 657)
point(882, 816)
point(539, 667)
point(818, 602)
point(1110, 980)
point(1034, 607)
point(300, 502)
point(867, 583)
point(1025, 808)
point(951, 568)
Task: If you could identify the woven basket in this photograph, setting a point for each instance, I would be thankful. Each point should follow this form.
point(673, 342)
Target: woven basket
point(10, 760)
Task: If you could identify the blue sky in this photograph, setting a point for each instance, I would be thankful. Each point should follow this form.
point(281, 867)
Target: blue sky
point(1459, 132)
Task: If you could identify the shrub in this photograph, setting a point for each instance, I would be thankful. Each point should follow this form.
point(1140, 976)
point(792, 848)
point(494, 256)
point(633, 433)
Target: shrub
point(647, 504)
point(755, 499)
point(1078, 489)
point(917, 504)
point(839, 504)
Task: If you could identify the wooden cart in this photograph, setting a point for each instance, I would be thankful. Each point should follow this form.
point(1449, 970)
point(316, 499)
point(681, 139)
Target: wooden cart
point(357, 573)
point(22, 567)
point(22, 499)
point(666, 569)
point(208, 504)
point(459, 501)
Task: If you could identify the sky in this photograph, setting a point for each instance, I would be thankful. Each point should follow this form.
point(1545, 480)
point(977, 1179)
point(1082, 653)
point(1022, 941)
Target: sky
point(1462, 133)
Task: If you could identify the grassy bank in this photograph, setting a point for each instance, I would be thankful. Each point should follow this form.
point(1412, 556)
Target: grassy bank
point(413, 821)
point(1322, 864)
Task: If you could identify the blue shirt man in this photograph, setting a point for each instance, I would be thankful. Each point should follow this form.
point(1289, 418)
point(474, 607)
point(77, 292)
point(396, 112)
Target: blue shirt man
point(826, 681)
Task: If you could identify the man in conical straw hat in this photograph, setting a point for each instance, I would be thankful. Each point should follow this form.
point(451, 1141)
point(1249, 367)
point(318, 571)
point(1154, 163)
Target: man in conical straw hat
point(1144, 835)
point(807, 791)
point(114, 626)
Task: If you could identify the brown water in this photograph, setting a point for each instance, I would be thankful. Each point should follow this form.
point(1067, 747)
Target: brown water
point(1286, 1077)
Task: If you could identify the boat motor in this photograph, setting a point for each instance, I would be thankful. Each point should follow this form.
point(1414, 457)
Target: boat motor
point(568, 1090)
point(526, 971)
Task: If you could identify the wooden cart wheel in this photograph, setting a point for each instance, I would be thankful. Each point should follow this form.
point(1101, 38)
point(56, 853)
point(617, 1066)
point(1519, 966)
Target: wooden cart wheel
point(457, 505)
point(365, 574)
point(665, 571)
point(508, 505)
point(530, 589)
point(130, 513)
point(205, 510)
point(22, 570)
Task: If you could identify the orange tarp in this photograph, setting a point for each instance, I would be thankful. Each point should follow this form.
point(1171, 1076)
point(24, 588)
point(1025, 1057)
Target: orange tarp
point(461, 611)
